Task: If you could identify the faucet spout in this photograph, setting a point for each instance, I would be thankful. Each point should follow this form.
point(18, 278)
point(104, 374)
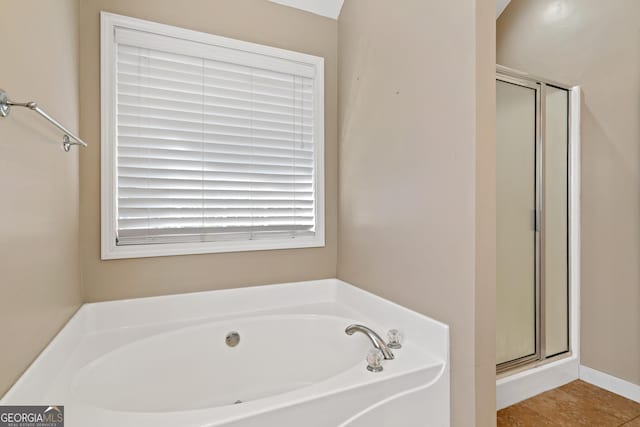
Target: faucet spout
point(373, 337)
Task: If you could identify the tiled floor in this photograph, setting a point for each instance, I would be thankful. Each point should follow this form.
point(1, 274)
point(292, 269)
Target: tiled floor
point(574, 404)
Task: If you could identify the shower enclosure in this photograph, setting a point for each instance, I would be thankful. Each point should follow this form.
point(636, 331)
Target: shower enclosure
point(533, 199)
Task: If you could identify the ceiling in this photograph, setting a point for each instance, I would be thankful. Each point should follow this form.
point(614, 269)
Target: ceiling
point(501, 5)
point(328, 8)
point(331, 8)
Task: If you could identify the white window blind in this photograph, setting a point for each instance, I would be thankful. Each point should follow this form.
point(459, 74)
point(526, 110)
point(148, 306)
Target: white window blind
point(212, 143)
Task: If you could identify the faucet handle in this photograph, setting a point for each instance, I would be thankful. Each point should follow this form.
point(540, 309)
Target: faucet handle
point(395, 339)
point(374, 360)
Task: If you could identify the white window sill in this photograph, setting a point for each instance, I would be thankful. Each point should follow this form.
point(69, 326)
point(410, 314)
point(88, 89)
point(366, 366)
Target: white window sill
point(111, 251)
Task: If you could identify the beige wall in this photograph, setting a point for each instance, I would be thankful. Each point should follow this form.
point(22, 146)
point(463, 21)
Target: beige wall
point(485, 216)
point(596, 45)
point(257, 21)
point(417, 145)
point(40, 279)
point(418, 170)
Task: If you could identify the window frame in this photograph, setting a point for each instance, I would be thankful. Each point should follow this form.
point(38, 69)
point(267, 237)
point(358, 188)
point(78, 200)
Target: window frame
point(108, 155)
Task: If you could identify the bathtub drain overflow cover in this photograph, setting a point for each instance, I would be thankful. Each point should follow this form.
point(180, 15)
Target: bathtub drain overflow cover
point(232, 339)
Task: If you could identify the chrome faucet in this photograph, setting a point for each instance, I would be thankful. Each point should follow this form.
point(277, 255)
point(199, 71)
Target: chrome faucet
point(375, 339)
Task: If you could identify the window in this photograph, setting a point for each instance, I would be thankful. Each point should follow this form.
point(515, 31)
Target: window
point(208, 144)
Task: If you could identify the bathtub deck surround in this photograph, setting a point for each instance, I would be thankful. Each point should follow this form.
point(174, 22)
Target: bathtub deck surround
point(264, 356)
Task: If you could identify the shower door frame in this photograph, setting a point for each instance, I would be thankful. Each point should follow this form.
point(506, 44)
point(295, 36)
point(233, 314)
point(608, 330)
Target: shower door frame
point(540, 85)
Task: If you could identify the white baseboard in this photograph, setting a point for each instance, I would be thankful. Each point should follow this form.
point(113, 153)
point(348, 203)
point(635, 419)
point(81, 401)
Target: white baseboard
point(611, 383)
point(523, 385)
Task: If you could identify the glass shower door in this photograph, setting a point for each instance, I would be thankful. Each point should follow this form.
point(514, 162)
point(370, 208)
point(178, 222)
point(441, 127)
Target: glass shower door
point(555, 223)
point(533, 167)
point(517, 222)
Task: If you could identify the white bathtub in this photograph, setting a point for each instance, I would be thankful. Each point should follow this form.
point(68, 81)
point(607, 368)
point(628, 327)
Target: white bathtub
point(164, 362)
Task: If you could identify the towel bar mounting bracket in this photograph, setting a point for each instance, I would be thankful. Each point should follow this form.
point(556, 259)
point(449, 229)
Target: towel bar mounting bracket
point(4, 104)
